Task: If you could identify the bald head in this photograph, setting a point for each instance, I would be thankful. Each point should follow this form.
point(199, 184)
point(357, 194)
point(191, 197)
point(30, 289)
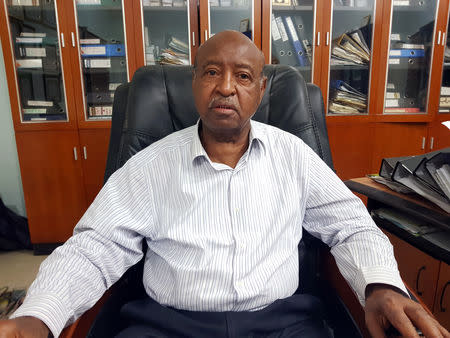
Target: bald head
point(226, 41)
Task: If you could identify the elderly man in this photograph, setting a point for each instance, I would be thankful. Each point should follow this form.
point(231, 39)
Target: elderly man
point(221, 205)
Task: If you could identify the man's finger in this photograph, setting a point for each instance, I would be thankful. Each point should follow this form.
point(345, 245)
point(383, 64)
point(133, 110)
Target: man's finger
point(428, 325)
point(402, 323)
point(374, 326)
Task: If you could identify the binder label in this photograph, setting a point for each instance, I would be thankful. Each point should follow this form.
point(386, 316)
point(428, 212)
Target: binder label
point(275, 32)
point(40, 103)
point(280, 25)
point(89, 41)
point(394, 61)
point(401, 2)
point(35, 52)
point(93, 50)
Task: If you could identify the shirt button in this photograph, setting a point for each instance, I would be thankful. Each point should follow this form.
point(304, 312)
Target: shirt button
point(237, 209)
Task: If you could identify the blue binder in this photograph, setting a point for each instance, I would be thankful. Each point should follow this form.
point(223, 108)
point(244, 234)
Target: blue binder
point(109, 50)
point(407, 53)
point(298, 46)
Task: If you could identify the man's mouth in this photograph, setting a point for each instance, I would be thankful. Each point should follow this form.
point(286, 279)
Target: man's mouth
point(224, 108)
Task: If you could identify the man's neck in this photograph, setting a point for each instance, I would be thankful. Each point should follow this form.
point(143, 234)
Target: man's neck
point(225, 148)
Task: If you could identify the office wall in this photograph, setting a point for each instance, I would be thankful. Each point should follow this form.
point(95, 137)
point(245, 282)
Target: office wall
point(11, 190)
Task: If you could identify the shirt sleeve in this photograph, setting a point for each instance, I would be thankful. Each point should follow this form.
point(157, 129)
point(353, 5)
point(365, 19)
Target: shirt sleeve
point(106, 242)
point(334, 214)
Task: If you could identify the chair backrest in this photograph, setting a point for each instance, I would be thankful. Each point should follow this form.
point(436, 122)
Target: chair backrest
point(159, 101)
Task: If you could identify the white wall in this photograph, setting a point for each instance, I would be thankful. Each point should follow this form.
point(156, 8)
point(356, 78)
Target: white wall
point(11, 190)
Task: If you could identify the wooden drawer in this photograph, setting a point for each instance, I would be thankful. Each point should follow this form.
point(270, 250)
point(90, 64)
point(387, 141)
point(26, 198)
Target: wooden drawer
point(442, 302)
point(419, 270)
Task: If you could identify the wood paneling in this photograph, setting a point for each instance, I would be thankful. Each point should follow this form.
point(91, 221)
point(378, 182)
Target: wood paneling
point(52, 183)
point(442, 302)
point(397, 139)
point(417, 269)
point(96, 143)
point(351, 145)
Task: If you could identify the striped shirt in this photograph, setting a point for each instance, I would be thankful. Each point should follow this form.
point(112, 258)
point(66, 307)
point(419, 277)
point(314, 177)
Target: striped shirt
point(219, 238)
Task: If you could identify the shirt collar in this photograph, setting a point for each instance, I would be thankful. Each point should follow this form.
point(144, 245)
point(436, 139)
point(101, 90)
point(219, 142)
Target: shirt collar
point(257, 138)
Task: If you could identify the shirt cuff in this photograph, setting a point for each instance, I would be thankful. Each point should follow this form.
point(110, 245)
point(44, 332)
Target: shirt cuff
point(47, 308)
point(377, 274)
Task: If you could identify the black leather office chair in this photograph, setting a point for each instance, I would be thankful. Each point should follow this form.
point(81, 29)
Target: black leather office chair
point(159, 101)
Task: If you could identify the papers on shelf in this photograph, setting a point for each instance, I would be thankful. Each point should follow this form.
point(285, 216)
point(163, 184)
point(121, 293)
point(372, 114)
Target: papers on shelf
point(97, 63)
point(89, 2)
point(40, 103)
point(404, 221)
point(391, 184)
point(35, 111)
point(33, 35)
point(350, 48)
point(345, 99)
point(29, 63)
point(25, 39)
point(89, 41)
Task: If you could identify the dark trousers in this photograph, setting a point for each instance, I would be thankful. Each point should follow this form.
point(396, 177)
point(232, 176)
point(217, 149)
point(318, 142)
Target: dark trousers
point(296, 316)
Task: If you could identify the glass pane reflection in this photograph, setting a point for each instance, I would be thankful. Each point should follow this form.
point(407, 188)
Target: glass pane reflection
point(34, 35)
point(292, 34)
point(409, 56)
point(103, 54)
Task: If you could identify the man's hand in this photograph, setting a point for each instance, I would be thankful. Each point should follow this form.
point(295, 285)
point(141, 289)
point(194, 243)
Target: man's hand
point(386, 307)
point(23, 327)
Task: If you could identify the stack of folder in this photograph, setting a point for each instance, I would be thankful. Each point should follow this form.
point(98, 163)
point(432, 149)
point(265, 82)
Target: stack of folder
point(350, 49)
point(177, 53)
point(427, 175)
point(344, 99)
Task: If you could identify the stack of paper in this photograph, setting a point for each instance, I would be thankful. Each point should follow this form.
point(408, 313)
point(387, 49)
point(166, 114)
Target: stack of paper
point(345, 99)
point(350, 48)
point(177, 53)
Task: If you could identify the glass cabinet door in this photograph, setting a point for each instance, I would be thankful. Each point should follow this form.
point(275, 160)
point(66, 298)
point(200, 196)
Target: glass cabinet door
point(166, 32)
point(102, 44)
point(410, 53)
point(444, 104)
point(34, 32)
point(292, 32)
point(350, 56)
point(231, 14)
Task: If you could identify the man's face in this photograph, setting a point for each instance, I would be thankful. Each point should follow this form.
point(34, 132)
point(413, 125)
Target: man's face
point(227, 84)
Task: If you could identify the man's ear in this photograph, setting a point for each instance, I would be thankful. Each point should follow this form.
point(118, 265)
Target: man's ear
point(263, 87)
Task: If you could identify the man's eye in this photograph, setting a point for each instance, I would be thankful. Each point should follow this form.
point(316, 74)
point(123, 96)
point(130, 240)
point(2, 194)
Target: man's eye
point(211, 72)
point(244, 76)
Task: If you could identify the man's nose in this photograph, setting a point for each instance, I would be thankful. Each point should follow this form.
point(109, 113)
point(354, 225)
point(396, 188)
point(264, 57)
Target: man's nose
point(227, 84)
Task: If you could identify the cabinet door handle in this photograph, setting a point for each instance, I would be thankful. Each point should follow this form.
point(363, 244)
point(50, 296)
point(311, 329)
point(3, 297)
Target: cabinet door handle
point(73, 39)
point(441, 308)
point(62, 40)
point(431, 143)
point(328, 39)
point(420, 293)
point(443, 39)
point(318, 38)
point(439, 38)
point(193, 39)
point(423, 142)
point(85, 152)
point(75, 154)
point(206, 34)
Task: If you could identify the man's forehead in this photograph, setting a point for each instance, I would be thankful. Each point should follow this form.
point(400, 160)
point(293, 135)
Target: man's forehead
point(224, 62)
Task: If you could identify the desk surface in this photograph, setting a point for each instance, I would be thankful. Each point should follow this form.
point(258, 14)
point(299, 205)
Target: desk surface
point(411, 204)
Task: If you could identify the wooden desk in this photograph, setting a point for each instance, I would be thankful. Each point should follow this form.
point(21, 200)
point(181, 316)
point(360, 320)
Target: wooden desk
point(423, 263)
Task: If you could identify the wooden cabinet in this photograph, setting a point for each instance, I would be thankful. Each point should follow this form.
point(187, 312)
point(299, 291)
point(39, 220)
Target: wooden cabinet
point(419, 270)
point(442, 301)
point(65, 58)
point(94, 151)
point(52, 178)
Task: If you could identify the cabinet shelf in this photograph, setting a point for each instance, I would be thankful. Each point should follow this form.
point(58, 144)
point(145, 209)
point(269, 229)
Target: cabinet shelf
point(352, 9)
point(349, 67)
point(98, 7)
point(227, 9)
point(164, 8)
point(292, 8)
